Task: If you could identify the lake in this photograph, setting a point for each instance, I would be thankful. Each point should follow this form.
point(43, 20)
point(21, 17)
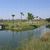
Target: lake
point(10, 39)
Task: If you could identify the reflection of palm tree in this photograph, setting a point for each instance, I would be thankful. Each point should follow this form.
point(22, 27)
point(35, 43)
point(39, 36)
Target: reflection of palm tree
point(13, 40)
point(30, 35)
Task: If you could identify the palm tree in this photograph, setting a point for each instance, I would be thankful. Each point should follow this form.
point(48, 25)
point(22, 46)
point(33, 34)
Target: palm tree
point(37, 19)
point(21, 15)
point(13, 19)
point(30, 17)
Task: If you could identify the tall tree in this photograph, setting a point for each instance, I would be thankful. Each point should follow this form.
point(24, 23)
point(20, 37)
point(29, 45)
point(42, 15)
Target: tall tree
point(30, 17)
point(37, 19)
point(13, 19)
point(21, 15)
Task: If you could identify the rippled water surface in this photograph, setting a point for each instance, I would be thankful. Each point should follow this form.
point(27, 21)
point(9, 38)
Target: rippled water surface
point(13, 39)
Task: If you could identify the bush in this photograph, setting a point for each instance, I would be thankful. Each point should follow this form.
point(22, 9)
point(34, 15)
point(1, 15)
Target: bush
point(48, 26)
point(48, 19)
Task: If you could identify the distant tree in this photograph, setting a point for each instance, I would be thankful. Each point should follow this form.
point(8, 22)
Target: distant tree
point(37, 19)
point(13, 16)
point(21, 15)
point(30, 17)
point(13, 19)
point(48, 19)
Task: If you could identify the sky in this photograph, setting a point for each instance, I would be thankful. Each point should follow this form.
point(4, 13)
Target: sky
point(39, 8)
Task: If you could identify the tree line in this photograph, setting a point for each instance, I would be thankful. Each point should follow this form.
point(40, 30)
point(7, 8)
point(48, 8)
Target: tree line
point(30, 16)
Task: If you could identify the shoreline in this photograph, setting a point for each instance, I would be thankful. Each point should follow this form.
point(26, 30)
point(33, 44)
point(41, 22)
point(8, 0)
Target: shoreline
point(23, 29)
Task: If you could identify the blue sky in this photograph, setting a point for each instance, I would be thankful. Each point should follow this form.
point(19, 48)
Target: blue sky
point(39, 8)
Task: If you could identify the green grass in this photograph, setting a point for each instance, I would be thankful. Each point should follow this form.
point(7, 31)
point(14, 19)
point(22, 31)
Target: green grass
point(23, 25)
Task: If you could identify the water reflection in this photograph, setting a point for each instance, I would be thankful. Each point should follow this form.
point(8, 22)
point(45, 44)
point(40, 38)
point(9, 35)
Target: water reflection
point(9, 39)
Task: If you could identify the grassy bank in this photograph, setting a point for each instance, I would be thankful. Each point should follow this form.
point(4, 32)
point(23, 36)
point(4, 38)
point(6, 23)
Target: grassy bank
point(36, 44)
point(23, 25)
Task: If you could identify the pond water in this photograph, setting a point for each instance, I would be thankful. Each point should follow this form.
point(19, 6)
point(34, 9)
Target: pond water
point(13, 39)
